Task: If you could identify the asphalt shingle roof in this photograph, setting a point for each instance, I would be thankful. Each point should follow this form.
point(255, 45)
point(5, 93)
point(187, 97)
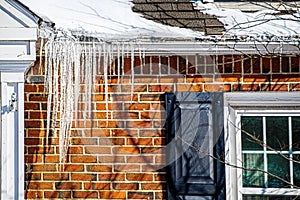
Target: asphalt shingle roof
point(178, 13)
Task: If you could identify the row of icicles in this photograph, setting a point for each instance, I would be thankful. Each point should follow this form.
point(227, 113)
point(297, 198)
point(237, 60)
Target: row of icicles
point(69, 65)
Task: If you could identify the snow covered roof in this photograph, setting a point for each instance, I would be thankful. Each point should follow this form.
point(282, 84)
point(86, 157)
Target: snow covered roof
point(116, 19)
point(104, 19)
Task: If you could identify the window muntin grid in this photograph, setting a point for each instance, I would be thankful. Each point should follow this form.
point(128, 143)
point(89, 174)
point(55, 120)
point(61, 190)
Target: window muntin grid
point(269, 146)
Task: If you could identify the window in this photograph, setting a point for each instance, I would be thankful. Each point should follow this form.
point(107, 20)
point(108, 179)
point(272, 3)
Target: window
point(263, 146)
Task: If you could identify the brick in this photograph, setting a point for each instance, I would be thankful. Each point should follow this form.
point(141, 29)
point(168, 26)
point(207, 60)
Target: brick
point(151, 150)
point(37, 115)
point(124, 132)
point(33, 141)
point(35, 133)
point(161, 88)
point(97, 186)
point(111, 177)
point(139, 177)
point(140, 195)
point(126, 150)
point(217, 87)
point(160, 177)
point(55, 176)
point(51, 159)
point(152, 186)
point(33, 195)
point(188, 87)
point(83, 177)
point(160, 195)
point(285, 78)
point(113, 195)
point(159, 141)
point(140, 159)
point(160, 159)
point(31, 106)
point(34, 124)
point(35, 158)
point(83, 159)
point(125, 115)
point(73, 168)
point(32, 176)
point(44, 167)
point(85, 194)
point(32, 185)
point(84, 141)
point(295, 87)
point(228, 78)
point(111, 159)
point(97, 150)
point(127, 168)
point(99, 168)
point(68, 186)
point(151, 97)
point(56, 194)
point(153, 168)
point(125, 186)
point(152, 133)
point(139, 124)
point(274, 87)
point(139, 141)
point(38, 98)
point(256, 78)
point(30, 88)
point(40, 150)
point(75, 150)
point(137, 106)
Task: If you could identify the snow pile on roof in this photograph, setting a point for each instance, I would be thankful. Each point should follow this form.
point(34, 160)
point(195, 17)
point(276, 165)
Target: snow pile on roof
point(103, 18)
point(264, 22)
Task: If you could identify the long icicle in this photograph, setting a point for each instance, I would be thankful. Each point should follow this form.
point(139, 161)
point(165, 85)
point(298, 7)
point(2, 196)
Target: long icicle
point(49, 84)
point(106, 54)
point(132, 72)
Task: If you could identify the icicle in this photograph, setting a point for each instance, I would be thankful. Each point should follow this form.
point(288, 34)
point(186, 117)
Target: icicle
point(119, 65)
point(41, 54)
point(89, 81)
point(99, 58)
point(77, 53)
point(48, 84)
point(106, 54)
point(94, 73)
point(85, 85)
point(123, 49)
point(132, 73)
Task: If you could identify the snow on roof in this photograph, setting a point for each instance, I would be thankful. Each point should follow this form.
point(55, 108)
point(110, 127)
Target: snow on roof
point(103, 18)
point(265, 22)
point(115, 19)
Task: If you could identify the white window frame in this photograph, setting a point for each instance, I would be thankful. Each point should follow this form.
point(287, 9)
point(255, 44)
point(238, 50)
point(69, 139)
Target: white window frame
point(255, 104)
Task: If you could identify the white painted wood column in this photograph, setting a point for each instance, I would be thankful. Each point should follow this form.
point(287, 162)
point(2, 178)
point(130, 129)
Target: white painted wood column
point(12, 131)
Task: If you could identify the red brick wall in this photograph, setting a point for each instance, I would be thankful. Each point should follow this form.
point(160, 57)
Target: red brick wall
point(123, 157)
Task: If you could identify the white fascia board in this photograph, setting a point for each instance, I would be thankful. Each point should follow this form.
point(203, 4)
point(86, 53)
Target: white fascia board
point(220, 48)
point(17, 34)
point(22, 17)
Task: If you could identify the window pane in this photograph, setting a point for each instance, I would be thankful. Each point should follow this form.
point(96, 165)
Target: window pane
point(296, 133)
point(251, 177)
point(278, 166)
point(252, 126)
point(277, 133)
point(296, 171)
